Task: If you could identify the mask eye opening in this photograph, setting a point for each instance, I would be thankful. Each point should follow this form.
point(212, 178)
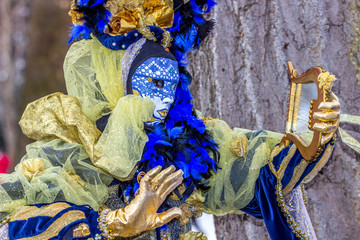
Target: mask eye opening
point(158, 83)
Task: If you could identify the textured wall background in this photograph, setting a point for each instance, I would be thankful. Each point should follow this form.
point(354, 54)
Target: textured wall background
point(240, 76)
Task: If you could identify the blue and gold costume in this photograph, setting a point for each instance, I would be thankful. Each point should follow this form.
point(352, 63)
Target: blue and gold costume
point(95, 146)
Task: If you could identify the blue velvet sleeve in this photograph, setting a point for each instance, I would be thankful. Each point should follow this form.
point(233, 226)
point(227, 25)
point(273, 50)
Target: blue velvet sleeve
point(278, 179)
point(53, 221)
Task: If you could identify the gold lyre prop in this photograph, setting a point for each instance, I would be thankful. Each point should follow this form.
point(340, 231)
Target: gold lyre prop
point(306, 93)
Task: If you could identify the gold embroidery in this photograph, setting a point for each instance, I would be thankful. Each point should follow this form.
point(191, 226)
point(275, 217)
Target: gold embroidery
point(54, 229)
point(31, 211)
point(303, 194)
point(165, 234)
point(167, 39)
point(31, 167)
point(298, 171)
point(325, 157)
point(286, 161)
point(145, 31)
point(239, 146)
point(281, 203)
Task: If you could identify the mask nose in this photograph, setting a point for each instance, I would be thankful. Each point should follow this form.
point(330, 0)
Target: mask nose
point(168, 101)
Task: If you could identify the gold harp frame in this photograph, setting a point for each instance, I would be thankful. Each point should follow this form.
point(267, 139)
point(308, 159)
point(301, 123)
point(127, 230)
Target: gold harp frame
point(309, 152)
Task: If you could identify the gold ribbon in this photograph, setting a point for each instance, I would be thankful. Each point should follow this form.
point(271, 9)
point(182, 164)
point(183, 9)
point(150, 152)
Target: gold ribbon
point(128, 16)
point(32, 167)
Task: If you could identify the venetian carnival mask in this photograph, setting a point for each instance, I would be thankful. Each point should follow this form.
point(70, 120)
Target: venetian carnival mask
point(153, 73)
point(157, 79)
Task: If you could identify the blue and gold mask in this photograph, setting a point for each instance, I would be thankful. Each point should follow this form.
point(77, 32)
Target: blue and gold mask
point(154, 73)
point(157, 78)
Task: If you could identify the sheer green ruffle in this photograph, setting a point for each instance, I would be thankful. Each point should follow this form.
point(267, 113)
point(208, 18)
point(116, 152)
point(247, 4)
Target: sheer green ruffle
point(67, 175)
point(232, 188)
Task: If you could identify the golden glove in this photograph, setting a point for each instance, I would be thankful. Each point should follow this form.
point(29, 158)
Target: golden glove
point(141, 213)
point(329, 117)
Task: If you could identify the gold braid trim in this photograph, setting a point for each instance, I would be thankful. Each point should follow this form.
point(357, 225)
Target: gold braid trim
point(47, 211)
point(167, 39)
point(298, 171)
point(286, 161)
point(325, 157)
point(58, 225)
point(145, 31)
point(303, 193)
point(281, 203)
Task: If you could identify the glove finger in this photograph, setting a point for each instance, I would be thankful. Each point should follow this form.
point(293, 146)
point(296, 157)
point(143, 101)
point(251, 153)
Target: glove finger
point(162, 175)
point(327, 116)
point(326, 138)
point(329, 106)
point(150, 175)
point(167, 216)
point(170, 185)
point(326, 127)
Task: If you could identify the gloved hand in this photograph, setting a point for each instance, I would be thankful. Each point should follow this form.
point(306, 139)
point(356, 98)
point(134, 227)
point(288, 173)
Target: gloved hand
point(141, 213)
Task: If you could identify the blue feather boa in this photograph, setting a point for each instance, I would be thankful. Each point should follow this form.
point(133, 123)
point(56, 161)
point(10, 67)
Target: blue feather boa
point(182, 141)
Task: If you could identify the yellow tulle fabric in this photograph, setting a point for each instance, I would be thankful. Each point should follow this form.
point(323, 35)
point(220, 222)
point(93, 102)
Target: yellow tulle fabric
point(122, 143)
point(93, 74)
point(232, 188)
point(67, 175)
point(59, 116)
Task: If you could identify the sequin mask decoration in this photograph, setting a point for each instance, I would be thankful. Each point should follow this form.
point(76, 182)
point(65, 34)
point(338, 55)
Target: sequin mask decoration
point(157, 78)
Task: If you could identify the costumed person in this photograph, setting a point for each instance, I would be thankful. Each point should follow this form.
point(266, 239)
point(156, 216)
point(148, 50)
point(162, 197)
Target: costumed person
point(125, 154)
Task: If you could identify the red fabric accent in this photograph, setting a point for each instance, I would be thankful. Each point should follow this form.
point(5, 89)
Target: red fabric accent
point(4, 163)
